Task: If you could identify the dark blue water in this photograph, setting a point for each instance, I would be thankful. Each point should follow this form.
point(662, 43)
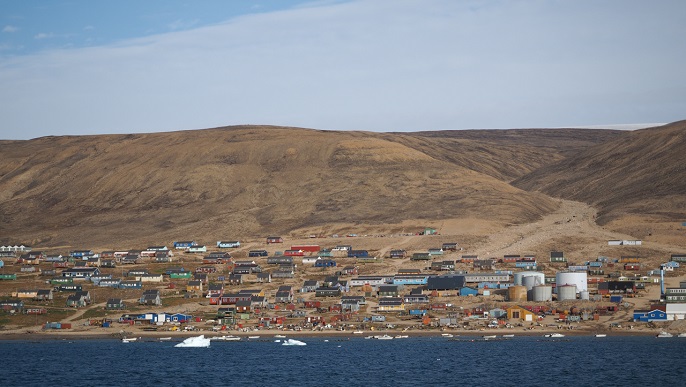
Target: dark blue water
point(521, 361)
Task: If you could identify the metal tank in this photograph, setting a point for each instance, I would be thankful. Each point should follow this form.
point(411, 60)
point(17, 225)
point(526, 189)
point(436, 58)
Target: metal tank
point(584, 295)
point(531, 281)
point(579, 279)
point(519, 277)
point(517, 293)
point(566, 292)
point(542, 293)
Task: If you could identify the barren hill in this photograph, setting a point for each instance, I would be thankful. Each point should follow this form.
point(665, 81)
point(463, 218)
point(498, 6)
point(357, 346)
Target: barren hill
point(253, 180)
point(640, 173)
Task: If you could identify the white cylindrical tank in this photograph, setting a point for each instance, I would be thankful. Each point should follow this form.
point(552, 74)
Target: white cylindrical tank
point(542, 293)
point(519, 277)
point(566, 292)
point(579, 279)
point(584, 295)
point(530, 281)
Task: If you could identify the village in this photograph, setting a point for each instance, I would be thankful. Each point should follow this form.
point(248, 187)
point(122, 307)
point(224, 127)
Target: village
point(239, 287)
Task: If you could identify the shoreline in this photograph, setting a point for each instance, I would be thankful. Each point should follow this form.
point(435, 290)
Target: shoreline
point(270, 334)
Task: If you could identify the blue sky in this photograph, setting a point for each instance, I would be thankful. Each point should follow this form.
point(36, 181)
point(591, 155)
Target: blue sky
point(91, 67)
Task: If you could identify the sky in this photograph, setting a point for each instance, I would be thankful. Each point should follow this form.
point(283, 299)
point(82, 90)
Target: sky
point(78, 67)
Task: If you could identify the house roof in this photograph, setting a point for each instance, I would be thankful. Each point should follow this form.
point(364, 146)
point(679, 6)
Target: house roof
point(453, 282)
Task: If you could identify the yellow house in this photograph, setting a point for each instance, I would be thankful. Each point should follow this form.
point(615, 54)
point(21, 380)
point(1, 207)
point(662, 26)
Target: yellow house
point(517, 312)
point(391, 304)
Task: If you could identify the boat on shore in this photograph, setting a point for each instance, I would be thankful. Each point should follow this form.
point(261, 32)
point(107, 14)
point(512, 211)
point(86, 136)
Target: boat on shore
point(554, 335)
point(164, 338)
point(279, 336)
point(129, 340)
point(508, 336)
point(358, 332)
point(384, 337)
point(488, 337)
point(447, 335)
point(664, 334)
point(600, 335)
point(226, 338)
point(253, 337)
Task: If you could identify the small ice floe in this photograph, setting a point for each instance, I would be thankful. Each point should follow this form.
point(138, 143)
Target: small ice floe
point(293, 342)
point(194, 342)
point(277, 341)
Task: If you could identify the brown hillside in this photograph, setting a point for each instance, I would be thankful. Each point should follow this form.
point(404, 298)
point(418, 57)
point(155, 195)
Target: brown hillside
point(505, 154)
point(230, 182)
point(642, 172)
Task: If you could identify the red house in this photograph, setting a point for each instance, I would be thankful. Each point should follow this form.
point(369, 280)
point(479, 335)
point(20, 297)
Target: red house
point(306, 248)
point(294, 253)
point(274, 239)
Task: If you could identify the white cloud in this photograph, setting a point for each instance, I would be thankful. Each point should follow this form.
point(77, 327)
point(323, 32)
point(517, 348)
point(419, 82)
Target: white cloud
point(10, 29)
point(385, 65)
point(43, 35)
point(88, 28)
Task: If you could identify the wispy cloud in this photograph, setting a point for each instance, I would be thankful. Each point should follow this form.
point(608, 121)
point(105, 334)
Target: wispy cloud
point(10, 29)
point(434, 64)
point(88, 28)
point(181, 24)
point(44, 35)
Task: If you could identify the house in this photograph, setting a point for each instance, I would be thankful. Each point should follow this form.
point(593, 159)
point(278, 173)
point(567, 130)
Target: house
point(151, 297)
point(391, 304)
point(80, 272)
point(350, 270)
point(264, 277)
point(283, 296)
point(325, 263)
point(358, 254)
point(484, 264)
point(137, 272)
point(655, 315)
point(294, 253)
point(215, 290)
point(616, 287)
point(109, 282)
point(449, 246)
point(274, 239)
point(284, 271)
point(309, 286)
point(194, 286)
point(416, 298)
point(469, 258)
point(131, 259)
point(435, 251)
point(257, 253)
point(557, 256)
point(197, 249)
point(25, 293)
point(398, 253)
point(389, 290)
point(163, 256)
point(467, 291)
point(327, 292)
point(12, 305)
point(519, 313)
point(280, 260)
point(352, 303)
point(108, 263)
point(115, 304)
point(184, 245)
point(79, 299)
point(420, 257)
point(447, 282)
point(28, 269)
point(206, 269)
point(236, 279)
point(443, 265)
point(81, 253)
point(244, 306)
point(228, 244)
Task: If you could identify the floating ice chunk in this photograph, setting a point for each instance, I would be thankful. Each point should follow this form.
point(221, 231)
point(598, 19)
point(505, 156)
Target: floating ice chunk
point(293, 342)
point(194, 342)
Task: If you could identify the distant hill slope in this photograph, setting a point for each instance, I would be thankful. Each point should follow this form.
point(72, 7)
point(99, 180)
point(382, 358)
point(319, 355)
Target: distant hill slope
point(642, 172)
point(253, 180)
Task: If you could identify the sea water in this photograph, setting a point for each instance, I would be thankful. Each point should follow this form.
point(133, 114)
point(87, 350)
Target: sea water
point(419, 361)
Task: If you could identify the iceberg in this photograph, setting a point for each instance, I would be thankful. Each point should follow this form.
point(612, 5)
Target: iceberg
point(293, 342)
point(194, 342)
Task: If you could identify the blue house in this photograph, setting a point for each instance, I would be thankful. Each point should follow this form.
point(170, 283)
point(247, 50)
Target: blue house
point(81, 253)
point(467, 291)
point(325, 263)
point(358, 253)
point(650, 316)
point(179, 317)
point(228, 244)
point(184, 244)
point(130, 285)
